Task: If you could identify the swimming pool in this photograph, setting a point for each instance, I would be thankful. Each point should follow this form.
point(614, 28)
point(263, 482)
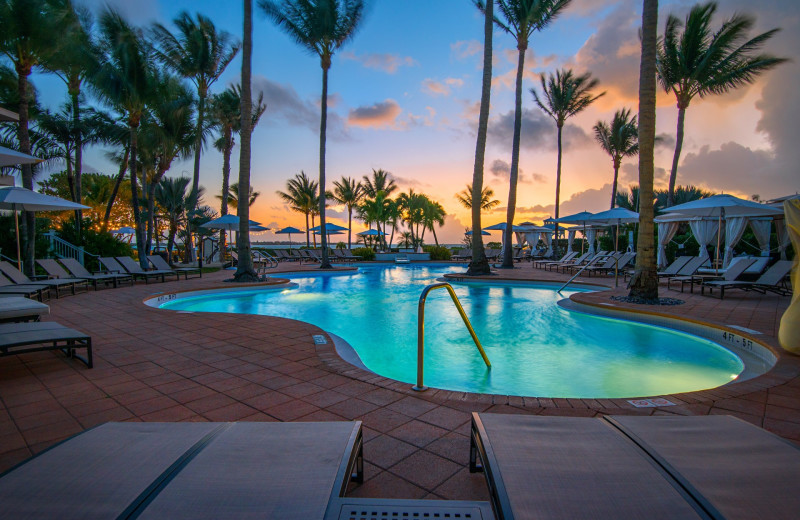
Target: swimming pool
point(536, 347)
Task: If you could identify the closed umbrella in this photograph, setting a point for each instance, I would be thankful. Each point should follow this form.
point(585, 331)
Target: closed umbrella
point(288, 231)
point(16, 199)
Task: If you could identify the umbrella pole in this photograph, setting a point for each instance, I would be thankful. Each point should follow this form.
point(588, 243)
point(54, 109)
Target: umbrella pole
point(616, 263)
point(16, 226)
point(716, 254)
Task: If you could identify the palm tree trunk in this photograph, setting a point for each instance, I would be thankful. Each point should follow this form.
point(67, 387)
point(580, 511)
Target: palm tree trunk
point(614, 185)
point(644, 283)
point(226, 179)
point(435, 239)
point(28, 220)
point(323, 123)
point(479, 265)
point(137, 217)
point(78, 195)
point(120, 176)
point(349, 225)
point(673, 174)
point(314, 224)
point(173, 230)
point(508, 259)
point(198, 145)
point(558, 189)
point(244, 268)
point(308, 235)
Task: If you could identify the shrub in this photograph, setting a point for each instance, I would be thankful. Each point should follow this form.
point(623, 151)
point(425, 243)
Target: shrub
point(365, 253)
point(100, 243)
point(437, 252)
point(494, 245)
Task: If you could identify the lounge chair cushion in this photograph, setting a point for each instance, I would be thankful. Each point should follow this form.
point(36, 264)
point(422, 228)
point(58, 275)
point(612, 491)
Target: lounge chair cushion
point(17, 308)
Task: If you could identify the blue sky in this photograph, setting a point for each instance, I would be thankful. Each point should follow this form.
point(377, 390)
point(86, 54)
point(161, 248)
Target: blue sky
point(404, 94)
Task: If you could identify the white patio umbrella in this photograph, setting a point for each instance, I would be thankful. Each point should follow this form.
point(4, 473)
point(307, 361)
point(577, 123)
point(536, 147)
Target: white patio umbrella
point(9, 157)
point(615, 217)
point(722, 206)
point(288, 231)
point(227, 223)
point(579, 219)
point(16, 199)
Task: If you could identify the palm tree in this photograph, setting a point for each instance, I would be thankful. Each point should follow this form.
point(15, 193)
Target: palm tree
point(620, 139)
point(170, 193)
point(521, 18)
point(487, 202)
point(201, 53)
point(350, 193)
point(629, 200)
point(322, 27)
point(433, 214)
point(76, 59)
point(27, 39)
point(682, 195)
point(233, 196)
point(563, 96)
point(699, 62)
point(644, 284)
point(479, 265)
point(126, 80)
point(380, 181)
point(301, 195)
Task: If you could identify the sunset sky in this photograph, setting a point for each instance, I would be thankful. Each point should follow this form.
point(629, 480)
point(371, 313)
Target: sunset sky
point(404, 97)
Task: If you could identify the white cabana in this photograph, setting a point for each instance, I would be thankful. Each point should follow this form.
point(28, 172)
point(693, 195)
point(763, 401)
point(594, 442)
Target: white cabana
point(570, 239)
point(761, 227)
point(615, 217)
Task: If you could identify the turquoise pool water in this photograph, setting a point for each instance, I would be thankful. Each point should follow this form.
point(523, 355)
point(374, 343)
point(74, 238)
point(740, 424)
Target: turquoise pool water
point(536, 347)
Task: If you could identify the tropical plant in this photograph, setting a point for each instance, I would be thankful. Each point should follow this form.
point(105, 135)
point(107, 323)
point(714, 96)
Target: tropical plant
point(350, 193)
point(629, 200)
point(200, 53)
point(700, 62)
point(376, 210)
point(381, 180)
point(681, 195)
point(27, 39)
point(487, 202)
point(644, 284)
point(521, 18)
point(233, 196)
point(479, 265)
point(301, 195)
point(620, 139)
point(433, 215)
point(170, 193)
point(366, 253)
point(126, 80)
point(563, 95)
point(438, 252)
point(322, 27)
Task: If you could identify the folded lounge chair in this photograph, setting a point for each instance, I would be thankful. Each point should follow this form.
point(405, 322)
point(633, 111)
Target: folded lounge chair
point(80, 271)
point(39, 292)
point(18, 308)
point(161, 265)
point(18, 338)
point(621, 467)
point(771, 280)
point(16, 276)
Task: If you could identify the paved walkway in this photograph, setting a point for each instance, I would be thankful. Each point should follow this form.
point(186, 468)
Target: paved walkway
point(154, 365)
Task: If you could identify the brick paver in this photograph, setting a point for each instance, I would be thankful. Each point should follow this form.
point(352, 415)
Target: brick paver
point(154, 365)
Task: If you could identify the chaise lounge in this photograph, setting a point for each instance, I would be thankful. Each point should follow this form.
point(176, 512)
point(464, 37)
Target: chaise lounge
point(37, 336)
point(16, 276)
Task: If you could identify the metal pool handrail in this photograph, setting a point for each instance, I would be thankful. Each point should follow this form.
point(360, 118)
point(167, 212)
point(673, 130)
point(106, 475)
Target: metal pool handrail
point(421, 330)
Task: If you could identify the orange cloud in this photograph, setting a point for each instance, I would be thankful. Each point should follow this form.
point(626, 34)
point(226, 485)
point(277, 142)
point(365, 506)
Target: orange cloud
point(379, 115)
point(441, 88)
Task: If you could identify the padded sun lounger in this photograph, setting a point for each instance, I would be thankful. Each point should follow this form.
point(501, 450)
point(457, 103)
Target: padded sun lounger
point(189, 470)
point(17, 308)
point(622, 467)
point(18, 338)
point(16, 276)
point(160, 264)
point(769, 281)
point(40, 292)
point(734, 271)
point(80, 271)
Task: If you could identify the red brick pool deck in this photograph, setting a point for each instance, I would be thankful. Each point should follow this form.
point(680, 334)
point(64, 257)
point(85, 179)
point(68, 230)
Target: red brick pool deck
point(155, 365)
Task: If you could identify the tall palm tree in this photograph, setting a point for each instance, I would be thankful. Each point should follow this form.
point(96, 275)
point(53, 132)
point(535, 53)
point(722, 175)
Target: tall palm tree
point(629, 200)
point(563, 95)
point(479, 265)
point(350, 193)
point(301, 195)
point(170, 193)
point(245, 271)
point(126, 80)
point(27, 39)
point(487, 202)
point(76, 59)
point(433, 214)
point(380, 181)
point(644, 284)
point(322, 27)
point(521, 18)
point(620, 139)
point(699, 62)
point(201, 53)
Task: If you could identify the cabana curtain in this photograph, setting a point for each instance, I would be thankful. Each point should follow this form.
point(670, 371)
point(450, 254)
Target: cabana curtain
point(591, 234)
point(666, 230)
point(704, 232)
point(570, 238)
point(761, 227)
point(734, 229)
point(548, 240)
point(783, 237)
